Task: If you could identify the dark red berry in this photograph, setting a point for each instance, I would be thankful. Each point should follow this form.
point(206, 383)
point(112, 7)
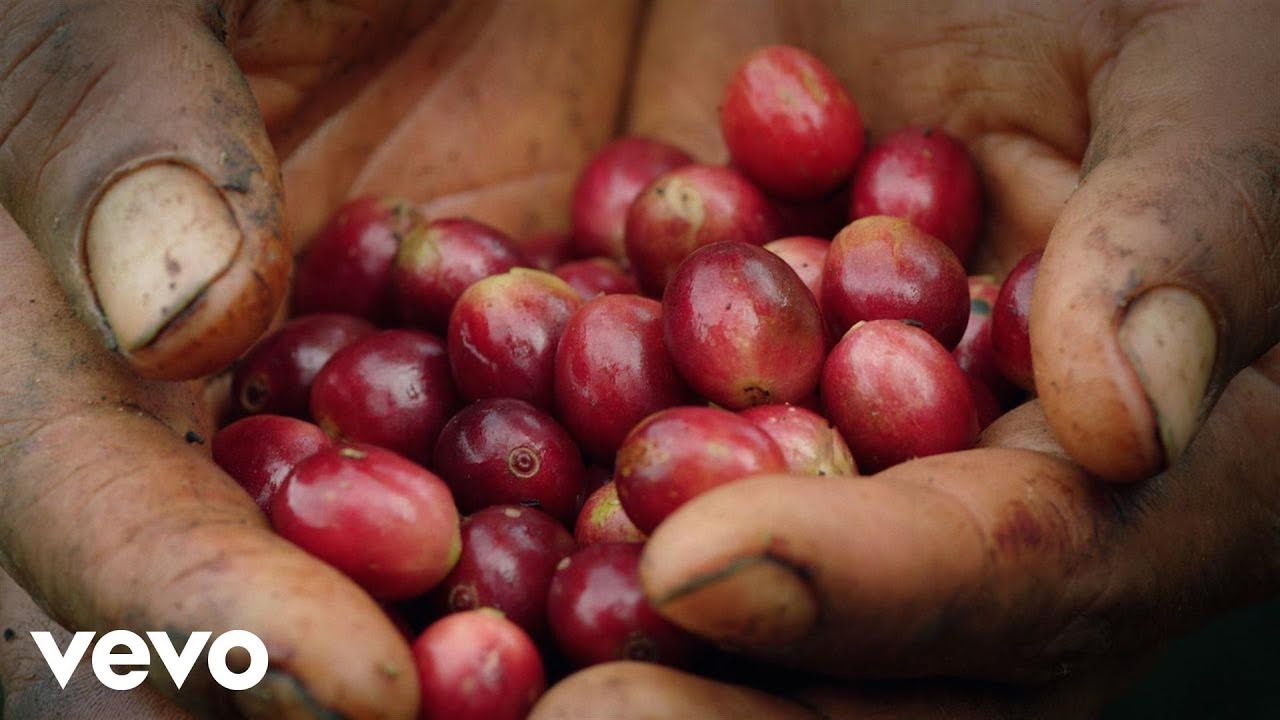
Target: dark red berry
point(503, 450)
point(386, 522)
point(347, 267)
point(391, 389)
point(599, 613)
point(259, 451)
point(275, 376)
point(509, 554)
point(477, 665)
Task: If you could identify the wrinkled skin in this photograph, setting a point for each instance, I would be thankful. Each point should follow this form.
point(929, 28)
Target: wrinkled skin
point(1006, 563)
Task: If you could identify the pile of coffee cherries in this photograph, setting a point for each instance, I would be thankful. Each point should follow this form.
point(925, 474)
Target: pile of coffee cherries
point(482, 432)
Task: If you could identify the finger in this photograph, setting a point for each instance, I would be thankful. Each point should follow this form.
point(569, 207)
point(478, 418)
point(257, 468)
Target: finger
point(134, 157)
point(636, 691)
point(29, 690)
point(111, 519)
point(1159, 281)
point(996, 562)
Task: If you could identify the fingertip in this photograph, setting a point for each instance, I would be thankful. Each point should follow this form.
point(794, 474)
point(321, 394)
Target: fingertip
point(1125, 345)
point(634, 690)
point(1090, 394)
point(753, 601)
point(182, 288)
point(720, 571)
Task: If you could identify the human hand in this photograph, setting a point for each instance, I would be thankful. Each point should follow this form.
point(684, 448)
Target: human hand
point(1013, 564)
point(109, 518)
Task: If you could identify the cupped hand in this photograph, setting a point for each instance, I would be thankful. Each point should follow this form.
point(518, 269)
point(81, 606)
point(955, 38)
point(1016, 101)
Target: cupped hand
point(1137, 144)
point(1000, 582)
point(145, 193)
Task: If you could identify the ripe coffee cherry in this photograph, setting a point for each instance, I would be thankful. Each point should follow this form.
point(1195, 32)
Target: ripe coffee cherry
point(260, 450)
point(509, 554)
point(439, 260)
point(607, 187)
point(275, 376)
point(598, 611)
point(806, 255)
point(347, 267)
point(602, 519)
point(502, 450)
point(807, 440)
point(687, 208)
point(391, 389)
point(613, 370)
point(386, 522)
point(789, 124)
point(895, 393)
point(477, 665)
point(503, 335)
point(923, 175)
point(597, 276)
point(1010, 330)
point(883, 268)
point(681, 452)
point(742, 328)
point(545, 250)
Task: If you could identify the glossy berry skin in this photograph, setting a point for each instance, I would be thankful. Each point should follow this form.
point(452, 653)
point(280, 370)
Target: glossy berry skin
point(679, 453)
point(806, 255)
point(789, 124)
point(727, 292)
point(509, 554)
point(886, 268)
point(386, 522)
point(602, 519)
point(440, 259)
point(810, 444)
point(975, 354)
point(392, 389)
point(598, 611)
point(597, 276)
point(477, 665)
point(608, 185)
point(926, 176)
point(505, 451)
point(895, 393)
point(687, 208)
point(260, 450)
point(347, 267)
point(613, 370)
point(1010, 331)
point(275, 376)
point(503, 335)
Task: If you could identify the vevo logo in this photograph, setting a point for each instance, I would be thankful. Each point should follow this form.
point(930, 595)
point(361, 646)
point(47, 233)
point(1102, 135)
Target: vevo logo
point(179, 665)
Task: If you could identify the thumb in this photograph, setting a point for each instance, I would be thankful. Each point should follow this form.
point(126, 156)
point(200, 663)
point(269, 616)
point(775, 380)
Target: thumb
point(133, 155)
point(1159, 281)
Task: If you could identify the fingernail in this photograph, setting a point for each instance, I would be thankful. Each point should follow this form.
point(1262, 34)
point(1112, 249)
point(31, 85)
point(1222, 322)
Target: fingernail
point(1172, 341)
point(279, 697)
point(756, 601)
point(158, 237)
